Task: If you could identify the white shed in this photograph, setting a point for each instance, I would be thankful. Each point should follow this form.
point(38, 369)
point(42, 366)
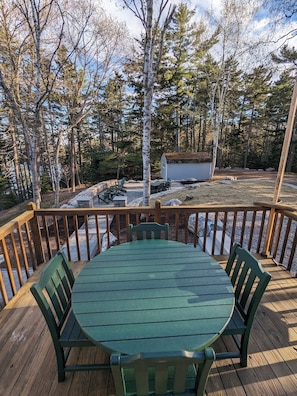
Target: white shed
point(183, 166)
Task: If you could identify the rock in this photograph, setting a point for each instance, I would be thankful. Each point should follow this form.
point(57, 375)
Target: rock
point(225, 181)
point(188, 197)
point(104, 242)
point(192, 186)
point(173, 202)
point(201, 224)
point(231, 178)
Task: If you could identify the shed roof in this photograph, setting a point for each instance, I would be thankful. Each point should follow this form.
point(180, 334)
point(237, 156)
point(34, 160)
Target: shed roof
point(187, 157)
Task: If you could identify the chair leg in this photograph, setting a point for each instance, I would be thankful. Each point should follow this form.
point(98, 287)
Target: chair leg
point(61, 375)
point(60, 364)
point(244, 349)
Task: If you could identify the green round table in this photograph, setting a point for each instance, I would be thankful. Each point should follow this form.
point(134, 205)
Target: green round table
point(153, 296)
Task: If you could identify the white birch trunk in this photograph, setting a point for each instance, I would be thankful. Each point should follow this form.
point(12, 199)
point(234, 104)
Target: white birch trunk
point(145, 12)
point(146, 143)
point(34, 164)
point(147, 105)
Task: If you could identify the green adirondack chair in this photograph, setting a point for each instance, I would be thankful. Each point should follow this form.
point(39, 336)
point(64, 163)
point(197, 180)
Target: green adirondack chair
point(249, 281)
point(148, 230)
point(182, 373)
point(53, 295)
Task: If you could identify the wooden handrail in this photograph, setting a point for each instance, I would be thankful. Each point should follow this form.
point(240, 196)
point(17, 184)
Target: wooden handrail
point(279, 206)
point(36, 235)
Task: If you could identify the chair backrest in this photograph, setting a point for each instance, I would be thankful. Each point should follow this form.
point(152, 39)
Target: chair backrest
point(181, 372)
point(148, 230)
point(53, 293)
point(248, 279)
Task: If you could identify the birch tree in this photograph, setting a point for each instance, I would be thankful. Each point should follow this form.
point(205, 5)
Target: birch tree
point(155, 23)
point(26, 26)
point(30, 73)
point(233, 32)
point(98, 47)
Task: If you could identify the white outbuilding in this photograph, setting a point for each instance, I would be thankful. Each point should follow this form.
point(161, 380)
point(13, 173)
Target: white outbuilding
point(184, 166)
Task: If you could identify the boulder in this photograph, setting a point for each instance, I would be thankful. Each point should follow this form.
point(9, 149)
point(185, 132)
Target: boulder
point(201, 224)
point(231, 177)
point(173, 202)
point(104, 241)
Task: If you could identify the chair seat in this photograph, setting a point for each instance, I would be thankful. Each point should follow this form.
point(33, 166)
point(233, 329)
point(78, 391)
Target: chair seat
point(236, 324)
point(72, 335)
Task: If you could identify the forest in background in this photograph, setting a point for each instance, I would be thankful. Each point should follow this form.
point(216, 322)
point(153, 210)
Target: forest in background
point(71, 88)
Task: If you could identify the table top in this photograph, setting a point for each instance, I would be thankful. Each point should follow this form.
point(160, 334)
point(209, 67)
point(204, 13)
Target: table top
point(152, 296)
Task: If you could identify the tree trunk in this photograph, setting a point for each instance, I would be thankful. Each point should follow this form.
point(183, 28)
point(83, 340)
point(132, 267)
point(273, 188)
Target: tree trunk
point(147, 105)
point(151, 64)
point(72, 159)
point(16, 162)
point(34, 168)
point(147, 111)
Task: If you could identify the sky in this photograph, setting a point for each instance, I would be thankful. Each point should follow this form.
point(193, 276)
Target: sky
point(113, 7)
point(260, 26)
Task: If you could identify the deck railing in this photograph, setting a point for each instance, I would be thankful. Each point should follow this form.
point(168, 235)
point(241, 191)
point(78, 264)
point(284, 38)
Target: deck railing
point(35, 236)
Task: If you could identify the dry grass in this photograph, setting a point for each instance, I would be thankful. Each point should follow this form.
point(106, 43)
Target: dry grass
point(231, 193)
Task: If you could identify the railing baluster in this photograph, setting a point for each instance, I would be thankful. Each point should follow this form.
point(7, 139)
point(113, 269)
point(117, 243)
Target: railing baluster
point(66, 236)
point(76, 227)
point(286, 238)
point(17, 259)
point(225, 219)
point(48, 230)
point(8, 265)
point(3, 291)
point(279, 220)
point(23, 250)
point(56, 232)
point(264, 212)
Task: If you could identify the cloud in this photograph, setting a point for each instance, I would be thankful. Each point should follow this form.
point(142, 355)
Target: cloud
point(260, 26)
point(116, 10)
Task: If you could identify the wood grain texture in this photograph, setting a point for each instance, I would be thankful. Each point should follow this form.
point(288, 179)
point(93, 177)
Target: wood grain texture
point(28, 367)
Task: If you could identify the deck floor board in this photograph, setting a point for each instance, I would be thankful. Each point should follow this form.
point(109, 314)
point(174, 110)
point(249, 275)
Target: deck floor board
point(28, 365)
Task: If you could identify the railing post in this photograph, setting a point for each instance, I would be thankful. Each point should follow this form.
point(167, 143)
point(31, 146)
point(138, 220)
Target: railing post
point(158, 211)
point(36, 235)
point(281, 168)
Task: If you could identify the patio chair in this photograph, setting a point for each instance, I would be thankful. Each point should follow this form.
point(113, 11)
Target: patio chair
point(120, 185)
point(249, 281)
point(53, 295)
point(182, 373)
point(148, 230)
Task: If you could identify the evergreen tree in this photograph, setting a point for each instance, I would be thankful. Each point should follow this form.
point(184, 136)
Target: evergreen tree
point(277, 110)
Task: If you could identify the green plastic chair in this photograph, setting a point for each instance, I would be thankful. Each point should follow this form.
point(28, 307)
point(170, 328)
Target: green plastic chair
point(182, 373)
point(148, 230)
point(53, 296)
point(249, 281)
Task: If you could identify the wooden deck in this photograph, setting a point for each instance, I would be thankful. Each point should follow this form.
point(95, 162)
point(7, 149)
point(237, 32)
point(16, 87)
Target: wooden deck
point(28, 367)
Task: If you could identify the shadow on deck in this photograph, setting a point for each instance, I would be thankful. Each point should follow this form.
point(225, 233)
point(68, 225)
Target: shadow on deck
point(28, 366)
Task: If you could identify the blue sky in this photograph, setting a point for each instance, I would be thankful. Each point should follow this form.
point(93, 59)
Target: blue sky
point(114, 8)
point(261, 26)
